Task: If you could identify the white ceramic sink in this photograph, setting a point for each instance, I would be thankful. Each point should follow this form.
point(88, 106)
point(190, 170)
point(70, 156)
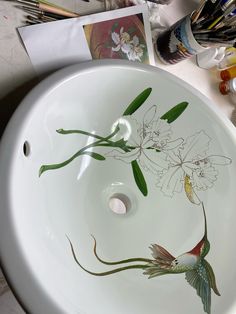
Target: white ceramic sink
point(147, 182)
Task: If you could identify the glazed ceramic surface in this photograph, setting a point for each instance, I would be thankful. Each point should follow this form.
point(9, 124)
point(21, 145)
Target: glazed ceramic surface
point(130, 159)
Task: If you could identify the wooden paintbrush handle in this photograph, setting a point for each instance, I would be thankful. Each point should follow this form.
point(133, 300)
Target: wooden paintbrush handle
point(55, 10)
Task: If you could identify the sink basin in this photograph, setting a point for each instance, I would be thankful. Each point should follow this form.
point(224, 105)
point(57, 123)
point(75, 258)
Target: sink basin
point(118, 195)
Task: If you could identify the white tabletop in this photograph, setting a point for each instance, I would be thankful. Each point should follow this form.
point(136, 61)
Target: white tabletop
point(17, 77)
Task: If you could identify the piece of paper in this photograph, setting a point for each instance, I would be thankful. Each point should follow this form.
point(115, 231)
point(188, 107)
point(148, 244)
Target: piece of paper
point(118, 34)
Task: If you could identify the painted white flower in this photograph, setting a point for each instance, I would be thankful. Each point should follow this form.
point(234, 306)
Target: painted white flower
point(191, 160)
point(204, 178)
point(136, 50)
point(122, 41)
point(140, 144)
point(161, 136)
point(161, 130)
point(205, 175)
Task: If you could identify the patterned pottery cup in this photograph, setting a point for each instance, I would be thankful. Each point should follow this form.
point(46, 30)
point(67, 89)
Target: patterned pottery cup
point(178, 42)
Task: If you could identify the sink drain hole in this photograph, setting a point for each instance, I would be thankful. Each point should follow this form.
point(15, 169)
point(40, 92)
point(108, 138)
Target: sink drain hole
point(26, 149)
point(119, 204)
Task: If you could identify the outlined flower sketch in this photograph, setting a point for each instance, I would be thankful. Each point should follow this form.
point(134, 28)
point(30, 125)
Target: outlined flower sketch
point(143, 142)
point(149, 145)
point(191, 167)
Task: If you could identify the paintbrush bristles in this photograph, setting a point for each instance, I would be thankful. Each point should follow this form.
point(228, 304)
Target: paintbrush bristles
point(214, 22)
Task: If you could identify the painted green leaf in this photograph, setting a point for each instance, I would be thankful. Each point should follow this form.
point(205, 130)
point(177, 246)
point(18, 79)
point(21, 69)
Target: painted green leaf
point(139, 178)
point(107, 45)
point(137, 102)
point(94, 155)
point(175, 112)
point(114, 26)
point(131, 30)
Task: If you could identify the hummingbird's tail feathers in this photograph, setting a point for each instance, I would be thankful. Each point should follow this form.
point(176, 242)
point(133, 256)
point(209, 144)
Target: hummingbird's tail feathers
point(161, 256)
point(106, 273)
point(153, 270)
point(124, 261)
point(211, 277)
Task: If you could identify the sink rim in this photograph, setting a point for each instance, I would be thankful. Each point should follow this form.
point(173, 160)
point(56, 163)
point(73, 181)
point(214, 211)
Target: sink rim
point(18, 118)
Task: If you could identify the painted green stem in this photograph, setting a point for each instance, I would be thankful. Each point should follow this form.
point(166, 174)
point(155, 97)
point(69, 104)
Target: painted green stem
point(77, 154)
point(66, 162)
point(106, 273)
point(66, 132)
point(108, 144)
point(130, 260)
point(116, 145)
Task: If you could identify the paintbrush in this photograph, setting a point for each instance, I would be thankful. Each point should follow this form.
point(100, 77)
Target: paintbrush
point(46, 7)
point(230, 21)
point(36, 11)
point(227, 12)
point(33, 19)
point(197, 13)
point(40, 18)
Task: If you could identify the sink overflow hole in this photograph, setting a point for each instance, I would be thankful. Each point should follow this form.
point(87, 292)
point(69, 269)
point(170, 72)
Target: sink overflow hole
point(119, 204)
point(26, 148)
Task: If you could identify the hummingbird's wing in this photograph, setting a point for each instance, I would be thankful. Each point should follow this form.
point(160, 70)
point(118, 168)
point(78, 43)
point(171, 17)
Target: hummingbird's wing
point(199, 279)
point(211, 277)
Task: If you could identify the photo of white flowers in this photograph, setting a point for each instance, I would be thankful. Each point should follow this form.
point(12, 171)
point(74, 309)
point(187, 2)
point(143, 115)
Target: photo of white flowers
point(123, 34)
point(122, 38)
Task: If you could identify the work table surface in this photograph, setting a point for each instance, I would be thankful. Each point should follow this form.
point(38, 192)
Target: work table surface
point(17, 75)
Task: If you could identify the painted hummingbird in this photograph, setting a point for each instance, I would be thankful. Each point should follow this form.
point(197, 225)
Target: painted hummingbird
point(198, 272)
